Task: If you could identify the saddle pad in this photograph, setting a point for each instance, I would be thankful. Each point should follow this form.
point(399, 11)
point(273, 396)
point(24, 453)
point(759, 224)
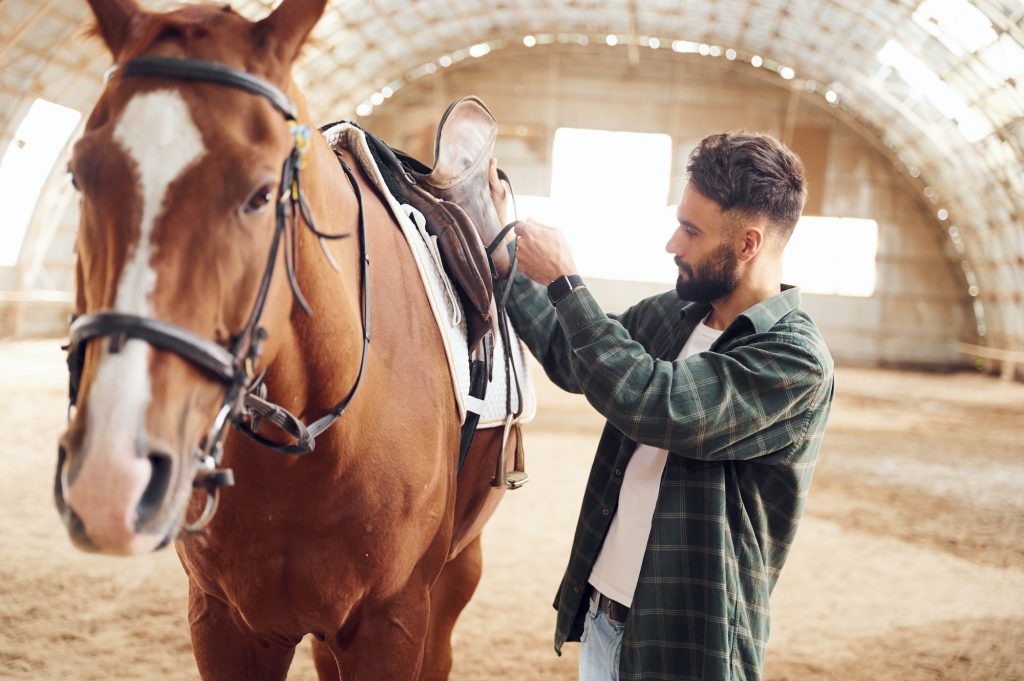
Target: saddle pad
point(443, 302)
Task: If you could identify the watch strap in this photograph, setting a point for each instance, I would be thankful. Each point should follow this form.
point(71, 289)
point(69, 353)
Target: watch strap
point(563, 286)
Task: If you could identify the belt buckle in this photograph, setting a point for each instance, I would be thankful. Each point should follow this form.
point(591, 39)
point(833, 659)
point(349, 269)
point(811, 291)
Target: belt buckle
point(607, 606)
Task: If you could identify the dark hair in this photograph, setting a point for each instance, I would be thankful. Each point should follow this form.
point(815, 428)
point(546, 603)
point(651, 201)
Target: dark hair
point(752, 173)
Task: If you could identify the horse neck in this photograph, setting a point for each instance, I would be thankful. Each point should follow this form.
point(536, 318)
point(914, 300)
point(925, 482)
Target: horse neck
point(307, 358)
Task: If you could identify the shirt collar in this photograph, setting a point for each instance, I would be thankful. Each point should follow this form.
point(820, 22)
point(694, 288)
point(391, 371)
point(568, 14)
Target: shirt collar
point(762, 316)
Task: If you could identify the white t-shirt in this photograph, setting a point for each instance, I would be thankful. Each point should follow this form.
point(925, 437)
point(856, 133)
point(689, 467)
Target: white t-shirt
point(617, 568)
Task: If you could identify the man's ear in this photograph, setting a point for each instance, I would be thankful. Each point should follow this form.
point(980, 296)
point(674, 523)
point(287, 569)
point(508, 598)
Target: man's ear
point(753, 240)
point(113, 21)
point(288, 26)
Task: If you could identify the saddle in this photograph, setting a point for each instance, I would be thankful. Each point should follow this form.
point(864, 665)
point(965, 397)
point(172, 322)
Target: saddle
point(454, 198)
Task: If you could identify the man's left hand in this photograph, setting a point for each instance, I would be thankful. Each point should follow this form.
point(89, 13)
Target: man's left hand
point(543, 252)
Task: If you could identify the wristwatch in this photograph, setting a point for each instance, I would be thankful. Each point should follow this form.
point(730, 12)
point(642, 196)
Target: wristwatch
point(563, 286)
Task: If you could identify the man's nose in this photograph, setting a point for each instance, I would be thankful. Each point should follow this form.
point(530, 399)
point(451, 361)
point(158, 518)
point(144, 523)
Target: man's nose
point(672, 245)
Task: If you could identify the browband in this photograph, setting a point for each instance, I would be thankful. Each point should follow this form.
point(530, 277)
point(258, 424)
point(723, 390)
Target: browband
point(182, 68)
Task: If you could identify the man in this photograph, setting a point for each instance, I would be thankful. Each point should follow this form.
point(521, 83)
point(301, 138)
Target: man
point(716, 396)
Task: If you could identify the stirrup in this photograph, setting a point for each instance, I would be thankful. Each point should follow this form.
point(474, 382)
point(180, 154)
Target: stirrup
point(518, 477)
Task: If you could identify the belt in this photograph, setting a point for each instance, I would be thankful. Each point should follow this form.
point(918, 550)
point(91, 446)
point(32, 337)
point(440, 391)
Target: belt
point(615, 611)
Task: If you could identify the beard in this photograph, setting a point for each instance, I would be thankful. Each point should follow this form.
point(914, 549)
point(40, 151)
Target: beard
point(714, 278)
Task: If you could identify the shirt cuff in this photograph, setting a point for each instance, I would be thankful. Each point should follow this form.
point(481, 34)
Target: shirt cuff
point(579, 310)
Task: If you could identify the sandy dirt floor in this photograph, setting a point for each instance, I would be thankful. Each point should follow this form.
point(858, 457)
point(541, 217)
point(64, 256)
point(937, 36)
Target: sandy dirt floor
point(909, 564)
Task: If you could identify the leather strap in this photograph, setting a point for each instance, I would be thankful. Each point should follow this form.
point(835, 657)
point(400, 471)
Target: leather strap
point(182, 68)
point(207, 354)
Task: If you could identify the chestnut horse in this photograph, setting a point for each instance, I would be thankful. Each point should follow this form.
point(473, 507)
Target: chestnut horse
point(370, 542)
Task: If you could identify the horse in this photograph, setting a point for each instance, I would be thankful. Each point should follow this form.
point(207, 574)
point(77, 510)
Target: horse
point(189, 173)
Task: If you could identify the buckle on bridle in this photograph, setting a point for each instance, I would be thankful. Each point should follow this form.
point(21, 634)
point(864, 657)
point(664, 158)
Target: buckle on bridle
point(303, 141)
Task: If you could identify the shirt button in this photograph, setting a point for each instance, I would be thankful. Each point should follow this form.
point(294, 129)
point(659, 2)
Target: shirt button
point(605, 511)
point(618, 471)
point(576, 589)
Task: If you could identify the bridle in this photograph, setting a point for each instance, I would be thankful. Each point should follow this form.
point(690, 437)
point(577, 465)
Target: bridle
point(244, 404)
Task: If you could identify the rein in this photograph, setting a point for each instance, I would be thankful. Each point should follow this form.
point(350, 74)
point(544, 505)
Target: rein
point(234, 367)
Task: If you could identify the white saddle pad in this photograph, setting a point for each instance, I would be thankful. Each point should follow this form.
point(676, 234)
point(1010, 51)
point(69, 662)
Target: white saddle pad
point(444, 303)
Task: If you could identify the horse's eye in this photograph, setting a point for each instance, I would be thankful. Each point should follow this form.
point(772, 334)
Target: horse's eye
point(74, 180)
point(260, 199)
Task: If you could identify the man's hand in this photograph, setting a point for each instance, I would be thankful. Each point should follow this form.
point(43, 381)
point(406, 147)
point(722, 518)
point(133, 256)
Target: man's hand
point(543, 252)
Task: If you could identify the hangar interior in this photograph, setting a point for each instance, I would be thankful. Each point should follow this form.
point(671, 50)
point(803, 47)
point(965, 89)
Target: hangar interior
point(909, 117)
point(908, 113)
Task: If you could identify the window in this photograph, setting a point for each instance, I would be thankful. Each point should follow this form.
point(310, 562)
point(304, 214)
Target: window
point(608, 190)
point(25, 166)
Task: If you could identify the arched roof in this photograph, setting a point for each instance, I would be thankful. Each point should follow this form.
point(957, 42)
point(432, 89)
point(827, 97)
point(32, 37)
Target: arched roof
point(937, 83)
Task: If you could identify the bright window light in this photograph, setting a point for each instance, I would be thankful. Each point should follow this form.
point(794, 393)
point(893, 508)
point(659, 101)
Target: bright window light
point(972, 125)
point(608, 190)
point(1005, 57)
point(24, 167)
point(960, 25)
point(833, 256)
point(617, 222)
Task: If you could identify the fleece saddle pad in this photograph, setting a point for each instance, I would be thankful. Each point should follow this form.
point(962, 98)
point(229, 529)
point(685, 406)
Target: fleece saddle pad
point(444, 302)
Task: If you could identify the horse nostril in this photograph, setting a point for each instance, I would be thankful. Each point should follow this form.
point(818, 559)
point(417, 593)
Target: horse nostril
point(153, 497)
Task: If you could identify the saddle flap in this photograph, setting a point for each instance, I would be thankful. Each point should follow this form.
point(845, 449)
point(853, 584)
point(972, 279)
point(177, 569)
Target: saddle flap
point(465, 139)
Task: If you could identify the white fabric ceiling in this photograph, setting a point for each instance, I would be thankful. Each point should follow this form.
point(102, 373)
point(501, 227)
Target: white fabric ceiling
point(939, 82)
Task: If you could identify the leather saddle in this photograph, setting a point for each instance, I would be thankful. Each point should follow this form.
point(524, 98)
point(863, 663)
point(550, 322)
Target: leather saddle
point(454, 198)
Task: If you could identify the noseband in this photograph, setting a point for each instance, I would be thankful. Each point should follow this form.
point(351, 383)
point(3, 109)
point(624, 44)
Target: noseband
point(244, 404)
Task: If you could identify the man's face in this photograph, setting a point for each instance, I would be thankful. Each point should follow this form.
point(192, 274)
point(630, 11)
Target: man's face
point(703, 250)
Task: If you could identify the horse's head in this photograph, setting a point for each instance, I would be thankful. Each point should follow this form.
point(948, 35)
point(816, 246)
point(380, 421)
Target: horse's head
point(179, 179)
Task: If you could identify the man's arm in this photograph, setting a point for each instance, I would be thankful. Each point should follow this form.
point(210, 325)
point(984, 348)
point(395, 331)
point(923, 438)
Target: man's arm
point(750, 401)
point(536, 323)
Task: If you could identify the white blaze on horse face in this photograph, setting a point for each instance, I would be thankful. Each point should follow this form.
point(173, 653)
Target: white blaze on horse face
point(157, 133)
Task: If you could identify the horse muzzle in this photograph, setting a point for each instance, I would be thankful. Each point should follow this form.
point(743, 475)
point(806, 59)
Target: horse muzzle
point(121, 503)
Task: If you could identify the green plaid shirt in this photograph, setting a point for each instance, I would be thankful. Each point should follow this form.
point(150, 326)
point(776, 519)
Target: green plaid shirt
point(743, 424)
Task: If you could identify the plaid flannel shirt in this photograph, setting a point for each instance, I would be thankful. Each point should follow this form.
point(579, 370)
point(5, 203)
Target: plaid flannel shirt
point(743, 424)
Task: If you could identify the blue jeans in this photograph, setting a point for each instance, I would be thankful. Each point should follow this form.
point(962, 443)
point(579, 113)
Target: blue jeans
point(600, 646)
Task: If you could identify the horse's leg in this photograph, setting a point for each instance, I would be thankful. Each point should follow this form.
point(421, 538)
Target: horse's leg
point(226, 649)
point(325, 662)
point(385, 639)
point(451, 593)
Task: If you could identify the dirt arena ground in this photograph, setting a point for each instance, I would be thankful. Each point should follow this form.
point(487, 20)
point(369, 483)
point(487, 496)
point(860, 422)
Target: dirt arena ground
point(909, 564)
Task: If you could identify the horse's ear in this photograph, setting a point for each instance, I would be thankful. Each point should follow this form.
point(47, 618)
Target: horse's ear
point(288, 26)
point(113, 20)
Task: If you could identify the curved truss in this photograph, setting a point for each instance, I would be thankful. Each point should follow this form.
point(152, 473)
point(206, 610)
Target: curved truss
point(939, 84)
